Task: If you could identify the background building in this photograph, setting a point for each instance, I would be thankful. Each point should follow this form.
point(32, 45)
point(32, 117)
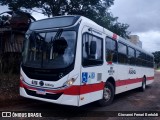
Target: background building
point(135, 40)
point(13, 25)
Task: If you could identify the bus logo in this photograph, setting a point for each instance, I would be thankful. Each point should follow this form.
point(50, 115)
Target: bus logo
point(132, 71)
point(60, 75)
point(41, 83)
point(111, 71)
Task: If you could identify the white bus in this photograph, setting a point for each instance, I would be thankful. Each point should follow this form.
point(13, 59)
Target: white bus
point(71, 60)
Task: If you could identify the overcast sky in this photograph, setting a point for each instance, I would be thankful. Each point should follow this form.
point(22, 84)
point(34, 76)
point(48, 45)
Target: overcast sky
point(143, 17)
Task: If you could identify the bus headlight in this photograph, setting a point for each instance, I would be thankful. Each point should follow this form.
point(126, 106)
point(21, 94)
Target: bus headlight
point(70, 81)
point(20, 82)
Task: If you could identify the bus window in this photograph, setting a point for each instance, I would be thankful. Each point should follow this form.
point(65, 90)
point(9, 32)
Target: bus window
point(138, 58)
point(122, 53)
point(92, 50)
point(131, 56)
point(111, 50)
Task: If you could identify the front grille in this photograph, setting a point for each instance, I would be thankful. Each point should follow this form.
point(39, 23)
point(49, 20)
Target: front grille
point(47, 96)
point(46, 74)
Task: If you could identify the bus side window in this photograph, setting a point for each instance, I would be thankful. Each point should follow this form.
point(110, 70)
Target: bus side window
point(92, 50)
point(122, 53)
point(109, 56)
point(131, 56)
point(138, 60)
point(111, 50)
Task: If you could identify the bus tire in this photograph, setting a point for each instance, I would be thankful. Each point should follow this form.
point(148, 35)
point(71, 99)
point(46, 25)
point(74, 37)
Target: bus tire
point(108, 94)
point(143, 87)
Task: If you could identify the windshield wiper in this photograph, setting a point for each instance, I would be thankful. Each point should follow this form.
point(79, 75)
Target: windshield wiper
point(57, 36)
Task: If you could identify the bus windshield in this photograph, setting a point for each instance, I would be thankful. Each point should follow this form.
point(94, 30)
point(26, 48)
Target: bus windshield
point(49, 50)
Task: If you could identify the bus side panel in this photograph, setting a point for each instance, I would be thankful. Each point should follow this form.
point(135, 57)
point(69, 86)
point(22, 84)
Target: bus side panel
point(150, 77)
point(129, 80)
point(135, 77)
point(91, 88)
point(122, 72)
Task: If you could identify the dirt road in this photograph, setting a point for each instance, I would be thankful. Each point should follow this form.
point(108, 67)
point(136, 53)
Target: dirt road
point(133, 101)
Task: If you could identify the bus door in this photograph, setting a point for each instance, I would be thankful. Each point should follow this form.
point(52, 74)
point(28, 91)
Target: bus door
point(91, 88)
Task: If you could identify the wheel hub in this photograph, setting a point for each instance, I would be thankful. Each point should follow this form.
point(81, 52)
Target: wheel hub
point(107, 94)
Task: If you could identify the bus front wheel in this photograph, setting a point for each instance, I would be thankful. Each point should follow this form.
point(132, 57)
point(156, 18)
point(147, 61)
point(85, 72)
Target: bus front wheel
point(108, 94)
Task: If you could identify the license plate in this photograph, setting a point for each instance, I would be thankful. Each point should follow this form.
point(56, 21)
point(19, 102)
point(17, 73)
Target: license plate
point(41, 92)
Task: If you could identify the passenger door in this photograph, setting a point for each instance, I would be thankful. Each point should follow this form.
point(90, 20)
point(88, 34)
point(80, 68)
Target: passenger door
point(92, 62)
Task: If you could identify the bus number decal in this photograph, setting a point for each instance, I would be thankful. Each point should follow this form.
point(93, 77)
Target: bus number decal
point(34, 82)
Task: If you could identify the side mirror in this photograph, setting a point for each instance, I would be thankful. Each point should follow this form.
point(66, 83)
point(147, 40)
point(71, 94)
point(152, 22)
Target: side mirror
point(93, 47)
point(87, 48)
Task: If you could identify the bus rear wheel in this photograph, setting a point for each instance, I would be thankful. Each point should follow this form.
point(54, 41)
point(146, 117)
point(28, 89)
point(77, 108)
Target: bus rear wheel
point(143, 87)
point(108, 94)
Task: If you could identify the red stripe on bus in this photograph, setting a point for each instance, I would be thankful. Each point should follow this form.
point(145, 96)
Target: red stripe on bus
point(128, 81)
point(131, 81)
point(109, 62)
point(83, 89)
point(91, 88)
point(150, 78)
point(73, 90)
point(87, 88)
point(20, 84)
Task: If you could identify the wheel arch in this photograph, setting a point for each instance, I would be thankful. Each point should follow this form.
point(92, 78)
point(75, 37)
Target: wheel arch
point(112, 81)
point(145, 78)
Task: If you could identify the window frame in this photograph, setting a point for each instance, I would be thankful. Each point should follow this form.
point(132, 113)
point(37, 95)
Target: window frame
point(115, 50)
point(134, 57)
point(126, 63)
point(102, 57)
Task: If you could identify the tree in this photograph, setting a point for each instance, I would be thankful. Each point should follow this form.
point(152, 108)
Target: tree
point(97, 10)
point(157, 57)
